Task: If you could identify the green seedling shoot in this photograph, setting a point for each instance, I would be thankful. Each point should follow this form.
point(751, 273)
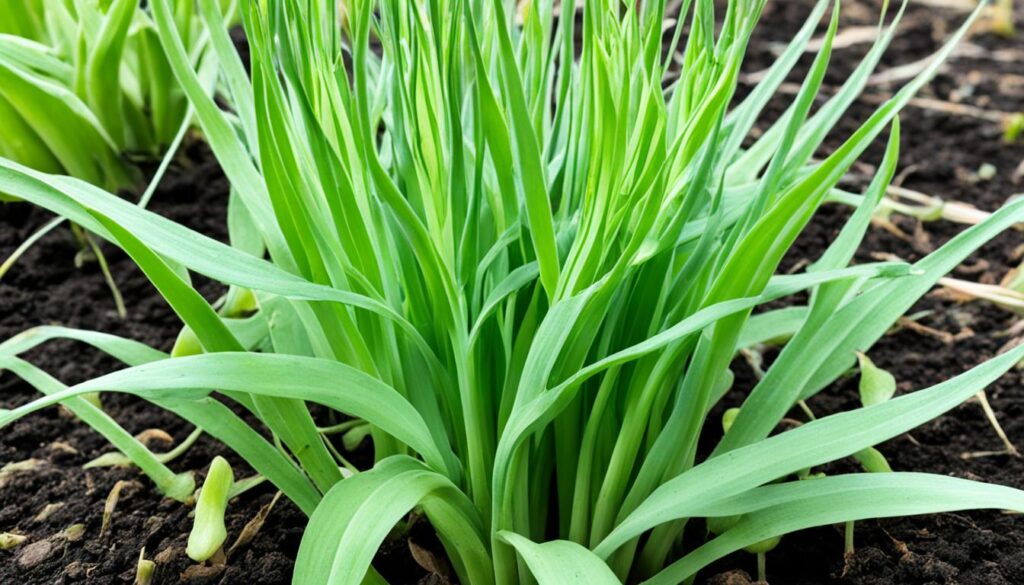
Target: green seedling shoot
point(145, 569)
point(208, 530)
point(186, 343)
point(9, 540)
point(1013, 128)
point(876, 386)
point(1003, 18)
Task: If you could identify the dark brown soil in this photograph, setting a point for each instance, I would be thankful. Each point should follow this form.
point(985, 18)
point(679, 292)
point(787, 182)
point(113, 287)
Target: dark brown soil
point(941, 155)
point(47, 288)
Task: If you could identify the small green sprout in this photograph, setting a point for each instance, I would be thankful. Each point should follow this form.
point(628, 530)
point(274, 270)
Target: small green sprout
point(94, 399)
point(239, 302)
point(876, 385)
point(9, 540)
point(208, 530)
point(729, 417)
point(145, 569)
point(186, 344)
point(1002, 18)
point(1014, 128)
point(74, 533)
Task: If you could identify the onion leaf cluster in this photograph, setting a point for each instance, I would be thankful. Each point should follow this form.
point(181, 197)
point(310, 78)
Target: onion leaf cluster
point(522, 246)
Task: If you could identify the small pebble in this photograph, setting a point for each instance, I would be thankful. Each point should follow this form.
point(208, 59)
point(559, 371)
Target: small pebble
point(987, 172)
point(168, 554)
point(47, 511)
point(60, 448)
point(35, 553)
point(736, 577)
point(74, 570)
point(154, 523)
point(201, 572)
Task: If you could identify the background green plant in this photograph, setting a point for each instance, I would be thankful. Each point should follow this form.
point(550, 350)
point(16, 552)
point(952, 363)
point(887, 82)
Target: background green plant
point(524, 250)
point(85, 86)
point(86, 90)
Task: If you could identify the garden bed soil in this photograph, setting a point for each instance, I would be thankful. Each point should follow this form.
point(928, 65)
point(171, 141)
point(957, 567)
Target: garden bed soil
point(941, 155)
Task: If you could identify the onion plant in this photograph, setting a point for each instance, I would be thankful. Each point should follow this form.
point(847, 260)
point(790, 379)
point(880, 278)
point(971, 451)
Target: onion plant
point(524, 249)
